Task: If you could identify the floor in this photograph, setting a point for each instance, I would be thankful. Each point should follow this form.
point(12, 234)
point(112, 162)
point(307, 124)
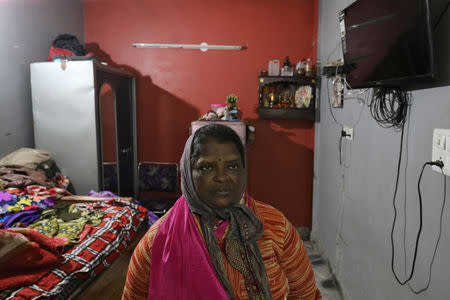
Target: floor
point(324, 279)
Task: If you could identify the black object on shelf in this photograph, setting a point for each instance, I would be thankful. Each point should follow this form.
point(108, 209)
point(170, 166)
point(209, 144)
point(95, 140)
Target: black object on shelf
point(279, 98)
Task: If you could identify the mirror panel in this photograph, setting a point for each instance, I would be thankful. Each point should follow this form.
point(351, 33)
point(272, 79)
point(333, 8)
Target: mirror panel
point(108, 118)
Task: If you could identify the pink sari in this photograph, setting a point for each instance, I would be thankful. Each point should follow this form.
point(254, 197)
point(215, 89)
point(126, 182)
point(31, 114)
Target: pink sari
point(181, 267)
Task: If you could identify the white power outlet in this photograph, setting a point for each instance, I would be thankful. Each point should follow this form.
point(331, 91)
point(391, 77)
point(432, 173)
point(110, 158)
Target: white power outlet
point(348, 132)
point(441, 149)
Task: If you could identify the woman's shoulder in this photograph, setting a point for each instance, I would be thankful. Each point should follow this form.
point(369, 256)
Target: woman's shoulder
point(273, 219)
point(153, 230)
point(268, 213)
point(276, 227)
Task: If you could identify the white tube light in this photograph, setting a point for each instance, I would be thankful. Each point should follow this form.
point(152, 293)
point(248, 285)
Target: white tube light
point(203, 46)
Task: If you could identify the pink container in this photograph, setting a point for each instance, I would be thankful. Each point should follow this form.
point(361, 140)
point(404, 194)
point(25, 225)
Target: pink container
point(214, 107)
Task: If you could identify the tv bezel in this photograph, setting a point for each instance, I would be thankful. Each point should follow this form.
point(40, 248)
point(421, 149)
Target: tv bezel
point(407, 81)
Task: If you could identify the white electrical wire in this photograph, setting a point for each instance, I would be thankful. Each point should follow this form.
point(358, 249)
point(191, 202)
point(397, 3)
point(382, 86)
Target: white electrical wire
point(334, 50)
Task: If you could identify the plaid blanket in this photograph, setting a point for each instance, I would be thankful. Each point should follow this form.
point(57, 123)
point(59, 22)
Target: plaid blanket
point(95, 252)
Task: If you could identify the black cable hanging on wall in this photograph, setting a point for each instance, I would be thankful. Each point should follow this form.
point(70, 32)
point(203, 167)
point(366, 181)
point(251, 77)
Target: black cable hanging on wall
point(440, 230)
point(389, 107)
point(416, 247)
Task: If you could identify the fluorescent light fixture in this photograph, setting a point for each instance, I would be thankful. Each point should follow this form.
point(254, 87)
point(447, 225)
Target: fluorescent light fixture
point(203, 46)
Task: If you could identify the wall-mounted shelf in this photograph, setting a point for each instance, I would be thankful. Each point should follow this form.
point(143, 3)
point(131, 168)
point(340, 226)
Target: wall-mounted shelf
point(278, 100)
point(263, 80)
point(286, 113)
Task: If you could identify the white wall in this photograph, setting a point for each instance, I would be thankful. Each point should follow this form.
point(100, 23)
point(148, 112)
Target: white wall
point(353, 211)
point(27, 29)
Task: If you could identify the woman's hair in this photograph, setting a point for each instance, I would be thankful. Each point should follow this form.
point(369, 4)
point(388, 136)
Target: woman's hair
point(221, 133)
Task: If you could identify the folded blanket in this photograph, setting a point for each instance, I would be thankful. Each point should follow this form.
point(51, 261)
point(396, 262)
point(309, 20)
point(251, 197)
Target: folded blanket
point(26, 256)
point(22, 177)
point(25, 158)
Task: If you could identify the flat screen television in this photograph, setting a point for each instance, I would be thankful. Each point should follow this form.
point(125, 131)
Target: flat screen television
point(387, 42)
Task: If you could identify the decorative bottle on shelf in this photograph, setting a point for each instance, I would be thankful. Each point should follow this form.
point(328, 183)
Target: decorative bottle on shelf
point(300, 68)
point(309, 68)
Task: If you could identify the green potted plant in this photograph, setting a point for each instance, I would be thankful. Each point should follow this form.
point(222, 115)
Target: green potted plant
point(233, 109)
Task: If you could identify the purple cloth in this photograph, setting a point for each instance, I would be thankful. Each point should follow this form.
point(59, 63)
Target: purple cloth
point(152, 218)
point(181, 266)
point(102, 194)
point(25, 217)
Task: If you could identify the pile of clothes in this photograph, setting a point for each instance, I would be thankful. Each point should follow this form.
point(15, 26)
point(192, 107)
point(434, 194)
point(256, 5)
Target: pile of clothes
point(30, 182)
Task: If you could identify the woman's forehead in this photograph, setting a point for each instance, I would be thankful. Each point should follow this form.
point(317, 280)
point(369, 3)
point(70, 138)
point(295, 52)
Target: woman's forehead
point(212, 148)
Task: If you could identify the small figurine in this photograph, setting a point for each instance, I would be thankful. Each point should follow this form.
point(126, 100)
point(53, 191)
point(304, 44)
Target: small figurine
point(287, 69)
point(300, 68)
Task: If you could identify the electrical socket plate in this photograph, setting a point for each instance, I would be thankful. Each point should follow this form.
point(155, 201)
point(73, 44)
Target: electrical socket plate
point(349, 132)
point(441, 149)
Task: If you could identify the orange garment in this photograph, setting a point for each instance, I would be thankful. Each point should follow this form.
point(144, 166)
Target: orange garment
point(287, 264)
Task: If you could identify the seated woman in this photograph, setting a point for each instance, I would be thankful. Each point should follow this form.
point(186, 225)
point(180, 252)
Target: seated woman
point(217, 242)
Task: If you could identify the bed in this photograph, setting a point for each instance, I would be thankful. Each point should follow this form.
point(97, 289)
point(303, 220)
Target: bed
point(95, 268)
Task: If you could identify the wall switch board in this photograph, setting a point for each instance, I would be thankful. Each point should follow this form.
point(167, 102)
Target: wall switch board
point(348, 132)
point(441, 149)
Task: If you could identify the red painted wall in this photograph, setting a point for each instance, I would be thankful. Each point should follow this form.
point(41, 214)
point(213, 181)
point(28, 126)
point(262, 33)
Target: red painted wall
point(176, 86)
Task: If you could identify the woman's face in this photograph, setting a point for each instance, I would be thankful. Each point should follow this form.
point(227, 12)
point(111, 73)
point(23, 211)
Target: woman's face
point(218, 174)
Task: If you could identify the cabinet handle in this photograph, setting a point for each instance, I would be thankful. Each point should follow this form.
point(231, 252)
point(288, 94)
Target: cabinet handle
point(125, 150)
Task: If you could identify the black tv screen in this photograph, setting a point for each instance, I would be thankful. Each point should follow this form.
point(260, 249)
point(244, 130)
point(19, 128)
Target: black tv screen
point(387, 42)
